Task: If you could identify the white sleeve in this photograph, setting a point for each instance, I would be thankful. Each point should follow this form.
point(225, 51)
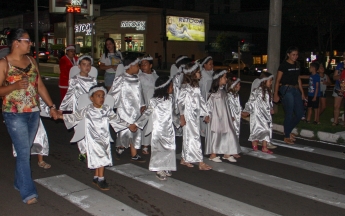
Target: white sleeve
point(103, 58)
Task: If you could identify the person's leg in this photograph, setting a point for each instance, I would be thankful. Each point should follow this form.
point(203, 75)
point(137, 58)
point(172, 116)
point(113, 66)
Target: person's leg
point(133, 150)
point(100, 172)
point(101, 183)
point(297, 109)
point(42, 163)
point(264, 148)
point(322, 106)
point(255, 145)
point(310, 110)
point(22, 129)
point(288, 104)
point(316, 115)
point(337, 104)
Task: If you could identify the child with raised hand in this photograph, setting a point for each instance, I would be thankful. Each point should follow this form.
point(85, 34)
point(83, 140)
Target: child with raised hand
point(160, 112)
point(220, 136)
point(314, 93)
point(191, 107)
point(206, 67)
point(147, 79)
point(78, 85)
point(97, 117)
point(260, 108)
point(129, 102)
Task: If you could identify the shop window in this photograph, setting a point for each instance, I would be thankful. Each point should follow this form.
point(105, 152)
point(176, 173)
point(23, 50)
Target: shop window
point(137, 43)
point(257, 60)
point(79, 40)
point(264, 59)
point(117, 39)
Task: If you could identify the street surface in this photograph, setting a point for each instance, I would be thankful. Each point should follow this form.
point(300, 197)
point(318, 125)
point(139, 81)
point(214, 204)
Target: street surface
point(304, 179)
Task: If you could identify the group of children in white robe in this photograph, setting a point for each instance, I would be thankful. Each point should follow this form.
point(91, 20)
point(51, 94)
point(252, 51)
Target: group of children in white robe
point(148, 114)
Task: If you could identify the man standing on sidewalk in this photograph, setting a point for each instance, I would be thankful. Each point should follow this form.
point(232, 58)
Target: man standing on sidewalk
point(66, 63)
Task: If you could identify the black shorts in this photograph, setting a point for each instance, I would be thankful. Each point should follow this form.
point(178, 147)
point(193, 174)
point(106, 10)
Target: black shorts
point(323, 94)
point(313, 104)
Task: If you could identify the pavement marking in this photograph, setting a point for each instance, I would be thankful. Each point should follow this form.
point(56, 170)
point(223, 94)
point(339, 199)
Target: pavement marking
point(88, 199)
point(339, 173)
point(282, 184)
point(202, 197)
point(319, 151)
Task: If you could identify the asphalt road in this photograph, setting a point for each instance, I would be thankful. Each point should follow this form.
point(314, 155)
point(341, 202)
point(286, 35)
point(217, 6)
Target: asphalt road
point(304, 179)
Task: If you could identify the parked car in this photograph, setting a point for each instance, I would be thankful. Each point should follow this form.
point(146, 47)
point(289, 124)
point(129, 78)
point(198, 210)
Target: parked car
point(43, 54)
point(219, 65)
point(256, 69)
point(233, 64)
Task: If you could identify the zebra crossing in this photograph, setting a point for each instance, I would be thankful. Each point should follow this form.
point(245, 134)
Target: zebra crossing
point(95, 202)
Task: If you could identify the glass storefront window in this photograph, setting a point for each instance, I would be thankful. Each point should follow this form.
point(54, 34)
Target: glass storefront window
point(79, 40)
point(117, 39)
point(137, 43)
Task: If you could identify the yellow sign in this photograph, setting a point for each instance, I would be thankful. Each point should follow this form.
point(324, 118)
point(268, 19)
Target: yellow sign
point(185, 29)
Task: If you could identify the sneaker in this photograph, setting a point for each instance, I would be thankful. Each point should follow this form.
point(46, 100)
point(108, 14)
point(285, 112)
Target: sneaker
point(81, 157)
point(269, 145)
point(168, 173)
point(103, 185)
point(216, 159)
point(231, 159)
point(95, 181)
point(138, 158)
point(161, 175)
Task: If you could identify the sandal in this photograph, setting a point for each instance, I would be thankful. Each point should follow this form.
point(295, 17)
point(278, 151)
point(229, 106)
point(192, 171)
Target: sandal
point(44, 165)
point(145, 151)
point(289, 141)
point(335, 123)
point(293, 135)
point(237, 156)
point(267, 151)
point(316, 123)
point(186, 164)
point(203, 166)
point(32, 201)
point(255, 147)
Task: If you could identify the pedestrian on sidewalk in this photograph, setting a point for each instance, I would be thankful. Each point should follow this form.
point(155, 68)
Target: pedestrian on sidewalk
point(66, 63)
point(290, 92)
point(338, 93)
point(314, 93)
point(20, 107)
point(324, 82)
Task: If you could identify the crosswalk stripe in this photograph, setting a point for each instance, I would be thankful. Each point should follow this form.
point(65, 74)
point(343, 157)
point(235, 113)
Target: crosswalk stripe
point(282, 184)
point(88, 199)
point(189, 192)
point(339, 173)
point(309, 149)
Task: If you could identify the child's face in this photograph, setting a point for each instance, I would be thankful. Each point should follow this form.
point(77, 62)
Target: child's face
point(312, 69)
point(321, 69)
point(85, 67)
point(98, 98)
point(170, 89)
point(133, 69)
point(223, 80)
point(198, 75)
point(237, 87)
point(145, 66)
point(269, 82)
point(209, 65)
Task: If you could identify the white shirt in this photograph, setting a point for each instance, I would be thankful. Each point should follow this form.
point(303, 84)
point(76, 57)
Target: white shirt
point(112, 59)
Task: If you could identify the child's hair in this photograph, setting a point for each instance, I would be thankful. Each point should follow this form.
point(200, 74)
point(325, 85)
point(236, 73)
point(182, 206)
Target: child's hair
point(183, 61)
point(215, 83)
point(190, 77)
point(129, 60)
point(163, 91)
point(315, 65)
point(264, 86)
point(97, 86)
point(148, 58)
point(106, 51)
point(231, 79)
point(203, 62)
point(84, 58)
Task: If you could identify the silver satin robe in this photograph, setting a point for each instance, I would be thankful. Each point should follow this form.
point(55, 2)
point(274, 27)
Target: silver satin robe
point(205, 84)
point(221, 136)
point(97, 135)
point(148, 87)
point(236, 110)
point(260, 116)
point(77, 86)
point(160, 123)
point(192, 105)
point(126, 90)
point(177, 82)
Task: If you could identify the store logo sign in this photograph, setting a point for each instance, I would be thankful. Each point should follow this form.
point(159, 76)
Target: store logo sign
point(138, 25)
point(85, 27)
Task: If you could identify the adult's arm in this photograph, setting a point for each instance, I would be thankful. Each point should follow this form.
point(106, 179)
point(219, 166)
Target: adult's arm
point(276, 86)
point(5, 90)
point(102, 66)
point(300, 87)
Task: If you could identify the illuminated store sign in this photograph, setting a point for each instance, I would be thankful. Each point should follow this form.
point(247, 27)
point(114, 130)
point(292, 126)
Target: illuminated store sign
point(85, 27)
point(138, 25)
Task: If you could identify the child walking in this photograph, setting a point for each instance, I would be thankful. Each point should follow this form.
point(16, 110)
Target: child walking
point(221, 137)
point(97, 117)
point(160, 112)
point(129, 101)
point(191, 107)
point(78, 85)
point(314, 93)
point(147, 79)
point(260, 108)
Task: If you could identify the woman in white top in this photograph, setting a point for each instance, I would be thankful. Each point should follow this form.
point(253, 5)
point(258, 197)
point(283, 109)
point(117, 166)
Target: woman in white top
point(109, 61)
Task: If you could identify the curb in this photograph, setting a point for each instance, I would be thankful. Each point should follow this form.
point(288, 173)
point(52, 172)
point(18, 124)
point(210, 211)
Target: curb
point(323, 136)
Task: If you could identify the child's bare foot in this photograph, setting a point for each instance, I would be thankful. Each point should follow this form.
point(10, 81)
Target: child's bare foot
point(186, 164)
point(203, 166)
point(237, 156)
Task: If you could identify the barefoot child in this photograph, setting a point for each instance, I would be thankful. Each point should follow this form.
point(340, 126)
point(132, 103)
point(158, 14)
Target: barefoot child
point(260, 108)
point(97, 117)
point(191, 107)
point(220, 136)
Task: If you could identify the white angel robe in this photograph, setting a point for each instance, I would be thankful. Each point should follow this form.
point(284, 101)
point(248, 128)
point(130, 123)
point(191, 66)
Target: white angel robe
point(177, 82)
point(221, 137)
point(260, 116)
point(192, 105)
point(148, 87)
point(77, 86)
point(236, 110)
point(97, 135)
point(205, 84)
point(126, 90)
point(160, 123)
